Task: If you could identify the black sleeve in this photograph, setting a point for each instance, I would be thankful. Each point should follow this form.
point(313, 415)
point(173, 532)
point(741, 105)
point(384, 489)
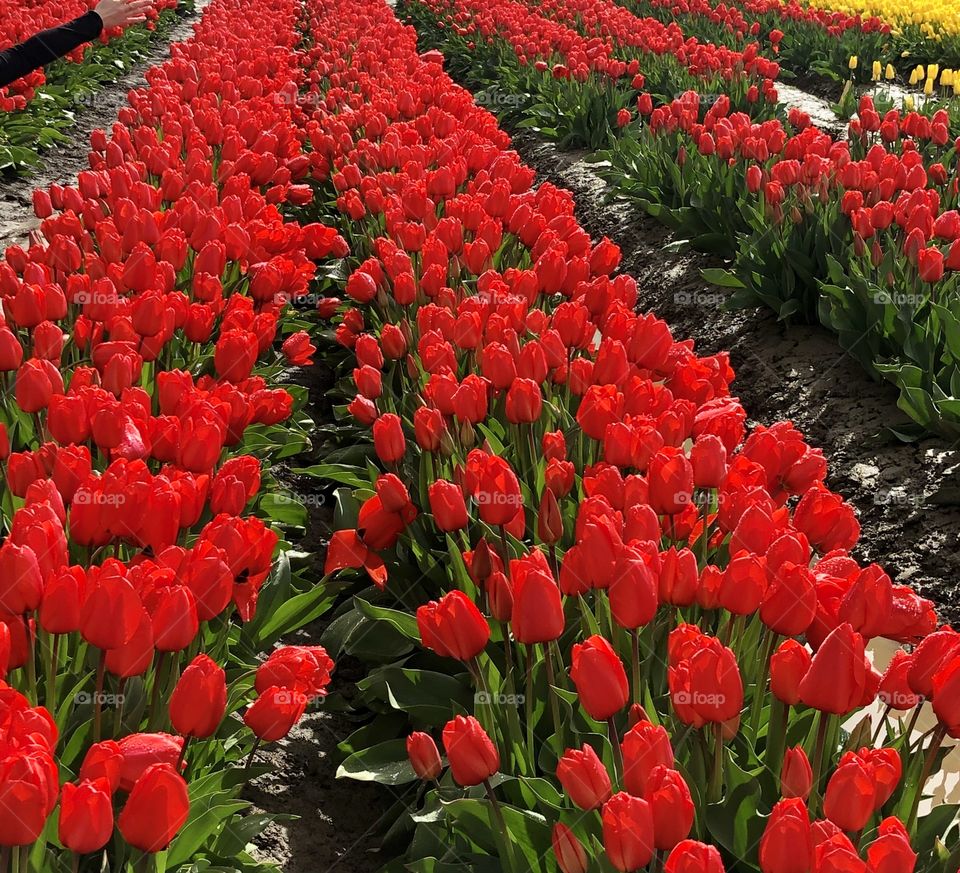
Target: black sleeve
point(46, 46)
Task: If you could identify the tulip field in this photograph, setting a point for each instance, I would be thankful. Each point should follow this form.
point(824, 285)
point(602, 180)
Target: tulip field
point(579, 609)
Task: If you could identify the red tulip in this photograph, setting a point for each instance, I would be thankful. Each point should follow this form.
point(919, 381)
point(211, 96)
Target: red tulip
point(645, 747)
point(891, 852)
point(537, 615)
point(633, 591)
point(275, 712)
point(453, 627)
point(472, 755)
point(199, 701)
point(788, 666)
point(569, 852)
point(584, 778)
point(424, 755)
point(670, 480)
point(156, 809)
point(671, 805)
point(689, 856)
point(86, 816)
point(388, 439)
point(140, 751)
point(796, 775)
point(448, 506)
point(786, 845)
point(836, 679)
point(946, 695)
point(599, 677)
point(628, 832)
point(524, 402)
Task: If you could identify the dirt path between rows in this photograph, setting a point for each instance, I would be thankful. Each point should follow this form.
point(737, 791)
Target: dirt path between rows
point(907, 495)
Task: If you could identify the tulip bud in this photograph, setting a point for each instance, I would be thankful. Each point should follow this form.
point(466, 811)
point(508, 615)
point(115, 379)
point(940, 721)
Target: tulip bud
point(453, 626)
point(549, 519)
point(570, 854)
point(671, 806)
point(499, 596)
point(156, 809)
point(796, 775)
point(424, 755)
point(628, 832)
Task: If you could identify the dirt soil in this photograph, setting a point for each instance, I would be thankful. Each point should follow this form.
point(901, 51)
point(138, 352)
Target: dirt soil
point(907, 494)
point(337, 823)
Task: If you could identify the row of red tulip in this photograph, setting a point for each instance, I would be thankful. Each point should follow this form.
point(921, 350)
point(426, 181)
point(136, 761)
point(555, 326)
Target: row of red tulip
point(806, 39)
point(136, 352)
point(781, 195)
point(566, 490)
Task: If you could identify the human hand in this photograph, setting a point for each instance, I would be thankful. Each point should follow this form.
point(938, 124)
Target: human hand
point(122, 13)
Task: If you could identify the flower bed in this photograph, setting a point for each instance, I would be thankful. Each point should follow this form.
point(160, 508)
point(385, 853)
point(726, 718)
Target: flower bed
point(141, 416)
point(634, 626)
point(571, 70)
point(793, 208)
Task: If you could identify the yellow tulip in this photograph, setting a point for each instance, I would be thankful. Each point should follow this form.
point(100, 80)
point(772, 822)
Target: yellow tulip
point(854, 62)
point(891, 73)
point(928, 87)
point(877, 71)
point(908, 103)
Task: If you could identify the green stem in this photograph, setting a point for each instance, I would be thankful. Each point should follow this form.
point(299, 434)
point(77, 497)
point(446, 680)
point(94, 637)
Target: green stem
point(52, 667)
point(818, 762)
point(756, 709)
point(931, 758)
point(252, 755)
point(98, 696)
point(880, 726)
point(715, 790)
point(635, 668)
point(528, 705)
point(156, 703)
point(506, 844)
point(617, 751)
point(31, 660)
point(554, 702)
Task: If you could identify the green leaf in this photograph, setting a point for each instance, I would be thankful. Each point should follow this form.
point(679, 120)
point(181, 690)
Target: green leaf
point(402, 621)
point(723, 278)
point(386, 763)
